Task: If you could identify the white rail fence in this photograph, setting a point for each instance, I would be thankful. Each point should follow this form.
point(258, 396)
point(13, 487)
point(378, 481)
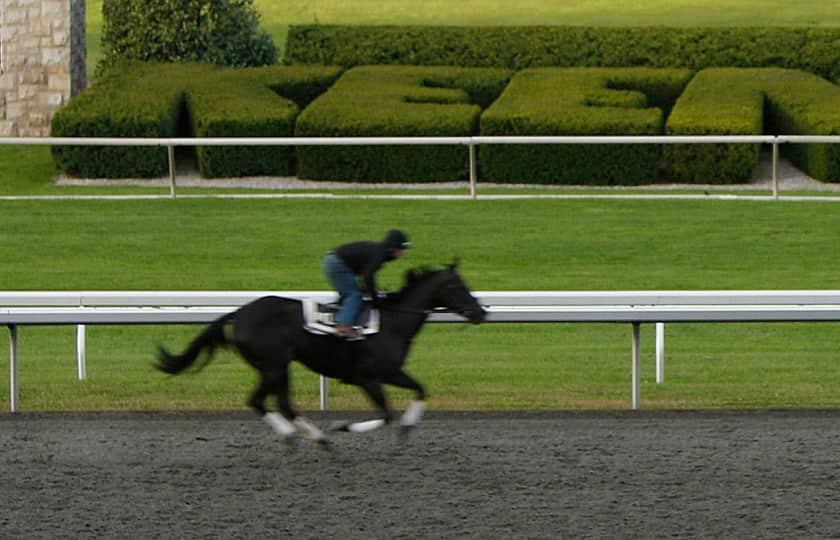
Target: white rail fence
point(634, 307)
point(470, 142)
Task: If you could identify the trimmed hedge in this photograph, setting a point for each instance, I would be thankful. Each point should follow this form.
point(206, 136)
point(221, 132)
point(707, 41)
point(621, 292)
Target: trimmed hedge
point(404, 101)
point(169, 100)
point(729, 101)
point(582, 101)
point(247, 103)
point(519, 47)
point(131, 100)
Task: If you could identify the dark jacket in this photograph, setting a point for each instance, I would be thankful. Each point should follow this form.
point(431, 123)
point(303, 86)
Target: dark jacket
point(366, 258)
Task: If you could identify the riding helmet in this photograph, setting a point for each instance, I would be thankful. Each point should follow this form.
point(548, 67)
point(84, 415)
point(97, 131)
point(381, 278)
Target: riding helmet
point(397, 239)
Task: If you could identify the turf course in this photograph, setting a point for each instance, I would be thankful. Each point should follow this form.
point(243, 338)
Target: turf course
point(536, 245)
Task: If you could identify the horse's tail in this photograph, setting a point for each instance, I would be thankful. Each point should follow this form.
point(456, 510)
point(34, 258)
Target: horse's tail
point(211, 338)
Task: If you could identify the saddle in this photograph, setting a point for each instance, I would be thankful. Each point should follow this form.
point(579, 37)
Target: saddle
point(319, 319)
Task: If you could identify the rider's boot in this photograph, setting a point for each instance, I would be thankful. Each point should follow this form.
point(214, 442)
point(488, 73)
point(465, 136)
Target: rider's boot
point(347, 332)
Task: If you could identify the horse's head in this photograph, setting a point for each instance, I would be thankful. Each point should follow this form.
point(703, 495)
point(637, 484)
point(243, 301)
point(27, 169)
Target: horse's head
point(447, 289)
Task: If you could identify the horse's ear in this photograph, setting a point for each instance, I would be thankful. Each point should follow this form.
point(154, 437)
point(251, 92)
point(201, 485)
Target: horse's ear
point(454, 264)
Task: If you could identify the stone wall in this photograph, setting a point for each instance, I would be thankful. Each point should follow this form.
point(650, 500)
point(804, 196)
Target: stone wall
point(42, 62)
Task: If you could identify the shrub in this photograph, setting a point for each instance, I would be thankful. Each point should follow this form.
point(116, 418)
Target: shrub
point(511, 47)
point(730, 101)
point(167, 100)
point(583, 101)
point(382, 101)
point(248, 103)
point(137, 100)
point(223, 32)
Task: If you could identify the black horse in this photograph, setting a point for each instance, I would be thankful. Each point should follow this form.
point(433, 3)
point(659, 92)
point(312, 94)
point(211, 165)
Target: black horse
point(269, 333)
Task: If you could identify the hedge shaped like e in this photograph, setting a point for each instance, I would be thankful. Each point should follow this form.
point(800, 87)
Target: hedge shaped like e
point(577, 102)
point(396, 101)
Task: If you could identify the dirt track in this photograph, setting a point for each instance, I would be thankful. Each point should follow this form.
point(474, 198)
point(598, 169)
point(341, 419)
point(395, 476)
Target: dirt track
point(461, 475)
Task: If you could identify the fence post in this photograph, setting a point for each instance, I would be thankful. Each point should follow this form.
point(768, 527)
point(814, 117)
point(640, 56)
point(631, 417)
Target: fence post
point(776, 168)
point(660, 353)
point(473, 171)
point(81, 352)
point(14, 397)
point(325, 393)
point(170, 152)
point(637, 367)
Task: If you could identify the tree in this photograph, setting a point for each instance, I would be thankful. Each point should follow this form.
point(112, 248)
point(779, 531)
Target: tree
point(224, 32)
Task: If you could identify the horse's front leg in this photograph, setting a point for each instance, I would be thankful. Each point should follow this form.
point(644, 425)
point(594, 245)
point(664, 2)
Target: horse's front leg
point(414, 413)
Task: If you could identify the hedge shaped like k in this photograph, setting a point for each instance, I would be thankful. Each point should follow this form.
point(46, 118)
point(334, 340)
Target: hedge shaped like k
point(131, 100)
point(161, 100)
point(253, 102)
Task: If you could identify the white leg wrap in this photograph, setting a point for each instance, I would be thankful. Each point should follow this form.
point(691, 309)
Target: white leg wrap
point(364, 427)
point(413, 414)
point(310, 431)
point(282, 426)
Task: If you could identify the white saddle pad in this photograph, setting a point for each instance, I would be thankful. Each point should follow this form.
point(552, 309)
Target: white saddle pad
point(322, 322)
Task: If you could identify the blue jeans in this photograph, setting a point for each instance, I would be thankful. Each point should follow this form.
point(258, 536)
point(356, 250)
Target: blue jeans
point(344, 281)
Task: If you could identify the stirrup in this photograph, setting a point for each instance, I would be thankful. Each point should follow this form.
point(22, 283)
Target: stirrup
point(351, 333)
point(317, 321)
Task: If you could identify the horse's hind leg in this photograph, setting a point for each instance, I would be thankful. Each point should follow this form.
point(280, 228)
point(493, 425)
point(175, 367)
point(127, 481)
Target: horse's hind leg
point(282, 390)
point(279, 422)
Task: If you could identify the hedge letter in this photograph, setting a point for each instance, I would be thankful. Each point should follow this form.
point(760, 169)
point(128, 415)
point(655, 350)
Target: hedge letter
point(580, 101)
point(396, 101)
point(754, 101)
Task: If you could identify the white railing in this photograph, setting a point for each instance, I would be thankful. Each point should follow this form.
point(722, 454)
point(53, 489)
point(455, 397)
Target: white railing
point(634, 307)
point(470, 142)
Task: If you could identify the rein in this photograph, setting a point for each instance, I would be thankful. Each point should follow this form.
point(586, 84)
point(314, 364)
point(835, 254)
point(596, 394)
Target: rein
point(413, 310)
point(396, 308)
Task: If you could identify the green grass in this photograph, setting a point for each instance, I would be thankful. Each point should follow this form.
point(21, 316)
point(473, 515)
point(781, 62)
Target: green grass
point(563, 12)
point(26, 169)
point(525, 244)
point(549, 245)
point(537, 245)
point(276, 16)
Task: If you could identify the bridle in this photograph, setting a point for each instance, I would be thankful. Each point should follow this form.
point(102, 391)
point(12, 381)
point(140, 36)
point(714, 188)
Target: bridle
point(462, 308)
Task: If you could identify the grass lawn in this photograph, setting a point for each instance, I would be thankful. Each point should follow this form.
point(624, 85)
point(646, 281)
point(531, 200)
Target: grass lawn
point(277, 16)
point(532, 245)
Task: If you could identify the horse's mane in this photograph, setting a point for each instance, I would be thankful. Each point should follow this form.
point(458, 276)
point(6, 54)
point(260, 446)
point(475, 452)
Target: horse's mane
point(415, 276)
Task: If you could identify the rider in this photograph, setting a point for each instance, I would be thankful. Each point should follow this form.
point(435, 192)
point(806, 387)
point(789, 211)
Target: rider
point(360, 259)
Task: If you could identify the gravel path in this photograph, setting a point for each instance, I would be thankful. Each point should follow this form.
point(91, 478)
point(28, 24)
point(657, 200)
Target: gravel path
point(628, 474)
point(790, 179)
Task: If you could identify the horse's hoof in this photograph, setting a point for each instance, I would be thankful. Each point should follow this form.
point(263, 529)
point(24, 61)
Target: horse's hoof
point(341, 425)
point(405, 431)
point(324, 442)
